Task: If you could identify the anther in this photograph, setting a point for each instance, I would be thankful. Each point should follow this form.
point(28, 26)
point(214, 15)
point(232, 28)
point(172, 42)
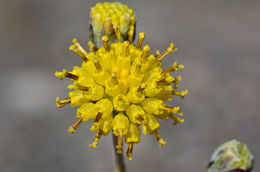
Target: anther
point(159, 138)
point(79, 50)
point(126, 49)
point(180, 93)
point(169, 50)
point(92, 46)
point(61, 103)
point(106, 43)
point(130, 151)
point(173, 68)
point(96, 139)
point(74, 127)
point(97, 64)
point(98, 117)
point(140, 40)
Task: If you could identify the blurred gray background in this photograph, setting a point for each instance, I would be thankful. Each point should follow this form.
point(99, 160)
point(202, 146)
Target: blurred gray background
point(218, 42)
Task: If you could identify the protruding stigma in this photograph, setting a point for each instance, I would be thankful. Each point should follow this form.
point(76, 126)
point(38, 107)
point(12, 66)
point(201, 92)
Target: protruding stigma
point(97, 64)
point(126, 49)
point(74, 127)
point(180, 93)
point(79, 50)
point(146, 49)
point(96, 139)
point(169, 50)
point(140, 40)
point(131, 34)
point(159, 138)
point(63, 102)
point(98, 117)
point(176, 119)
point(130, 151)
point(106, 43)
point(173, 68)
point(138, 66)
point(66, 74)
point(119, 142)
point(176, 81)
point(92, 46)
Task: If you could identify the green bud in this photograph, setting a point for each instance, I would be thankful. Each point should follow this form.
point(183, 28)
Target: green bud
point(114, 20)
point(232, 156)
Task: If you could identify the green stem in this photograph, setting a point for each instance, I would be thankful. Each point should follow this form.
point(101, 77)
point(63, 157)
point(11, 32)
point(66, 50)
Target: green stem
point(118, 158)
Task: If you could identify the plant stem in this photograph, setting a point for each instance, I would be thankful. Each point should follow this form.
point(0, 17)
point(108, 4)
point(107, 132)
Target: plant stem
point(118, 158)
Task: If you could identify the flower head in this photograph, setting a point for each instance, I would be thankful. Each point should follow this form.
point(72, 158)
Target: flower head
point(121, 87)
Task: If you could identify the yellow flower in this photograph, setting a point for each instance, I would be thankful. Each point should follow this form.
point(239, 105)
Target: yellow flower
point(122, 87)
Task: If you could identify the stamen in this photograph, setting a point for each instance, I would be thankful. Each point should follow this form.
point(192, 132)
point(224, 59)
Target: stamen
point(169, 50)
point(119, 143)
point(126, 49)
point(92, 46)
point(146, 49)
point(97, 64)
point(96, 139)
point(118, 35)
point(79, 50)
point(170, 109)
point(61, 103)
point(64, 73)
point(114, 78)
point(106, 43)
point(131, 34)
point(162, 82)
point(140, 40)
point(130, 151)
point(159, 138)
point(74, 127)
point(174, 67)
point(180, 93)
point(98, 117)
point(82, 88)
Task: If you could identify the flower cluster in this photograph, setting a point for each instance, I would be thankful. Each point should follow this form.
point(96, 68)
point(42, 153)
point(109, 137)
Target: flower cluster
point(121, 87)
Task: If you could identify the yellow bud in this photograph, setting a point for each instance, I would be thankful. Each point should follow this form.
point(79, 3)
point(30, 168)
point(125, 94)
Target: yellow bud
point(134, 134)
point(105, 106)
point(136, 114)
point(120, 124)
point(77, 98)
point(87, 111)
point(120, 102)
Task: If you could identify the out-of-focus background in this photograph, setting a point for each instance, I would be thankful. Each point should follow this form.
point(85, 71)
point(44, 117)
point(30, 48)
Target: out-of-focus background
point(218, 42)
